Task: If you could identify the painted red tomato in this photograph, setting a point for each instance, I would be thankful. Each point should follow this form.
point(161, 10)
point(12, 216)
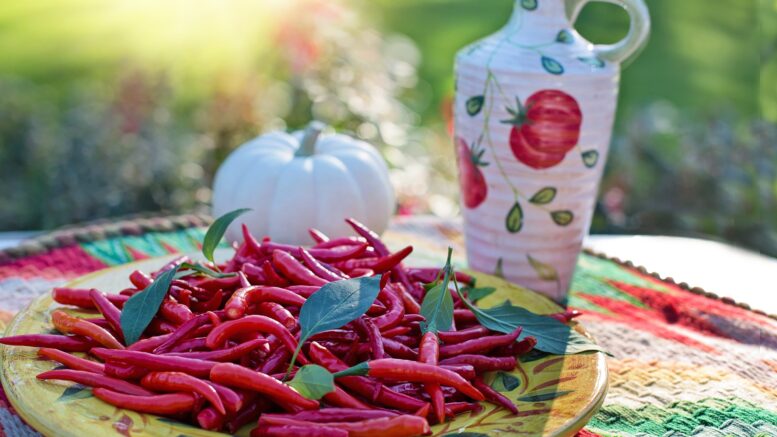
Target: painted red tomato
point(545, 128)
point(473, 185)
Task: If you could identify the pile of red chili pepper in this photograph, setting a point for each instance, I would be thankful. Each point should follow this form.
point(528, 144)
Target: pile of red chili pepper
point(216, 352)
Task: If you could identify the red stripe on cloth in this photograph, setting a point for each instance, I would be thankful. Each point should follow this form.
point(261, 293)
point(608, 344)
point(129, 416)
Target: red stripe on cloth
point(60, 263)
point(641, 319)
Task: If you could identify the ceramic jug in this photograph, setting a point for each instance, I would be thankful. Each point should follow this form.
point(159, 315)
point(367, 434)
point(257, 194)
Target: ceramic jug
point(534, 110)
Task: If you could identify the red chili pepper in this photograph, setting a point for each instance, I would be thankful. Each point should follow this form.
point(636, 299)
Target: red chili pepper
point(304, 290)
point(566, 316)
point(397, 330)
point(398, 426)
point(237, 305)
point(129, 292)
point(166, 405)
point(391, 369)
point(478, 345)
point(297, 431)
point(452, 337)
point(399, 350)
point(379, 265)
point(428, 353)
point(71, 361)
point(326, 255)
point(360, 385)
point(395, 309)
point(461, 407)
point(220, 334)
point(341, 398)
point(212, 304)
point(184, 331)
point(61, 342)
point(140, 280)
point(233, 401)
point(159, 327)
point(124, 371)
point(483, 363)
point(237, 376)
point(494, 396)
point(149, 361)
point(191, 345)
point(318, 236)
point(254, 273)
point(341, 335)
point(272, 277)
point(210, 419)
point(374, 240)
point(411, 304)
point(94, 380)
point(363, 386)
point(253, 246)
point(317, 268)
point(243, 280)
point(337, 415)
point(228, 354)
point(277, 312)
point(81, 298)
point(466, 371)
point(247, 415)
point(67, 324)
point(174, 263)
point(181, 295)
point(148, 344)
point(361, 273)
point(181, 382)
point(464, 316)
point(175, 312)
point(213, 284)
point(342, 241)
point(294, 270)
point(374, 338)
point(516, 348)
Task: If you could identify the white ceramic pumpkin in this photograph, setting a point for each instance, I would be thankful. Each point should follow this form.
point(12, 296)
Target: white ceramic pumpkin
point(293, 182)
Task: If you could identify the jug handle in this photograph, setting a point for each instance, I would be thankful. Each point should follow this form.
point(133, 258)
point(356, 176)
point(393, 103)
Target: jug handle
point(624, 51)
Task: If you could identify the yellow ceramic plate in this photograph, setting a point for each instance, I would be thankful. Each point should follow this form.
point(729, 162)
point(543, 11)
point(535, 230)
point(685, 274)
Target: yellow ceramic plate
point(556, 395)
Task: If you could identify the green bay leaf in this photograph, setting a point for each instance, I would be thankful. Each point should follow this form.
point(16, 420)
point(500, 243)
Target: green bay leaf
point(437, 306)
point(216, 231)
point(141, 307)
point(313, 382)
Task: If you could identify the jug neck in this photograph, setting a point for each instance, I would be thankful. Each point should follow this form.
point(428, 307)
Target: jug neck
point(539, 14)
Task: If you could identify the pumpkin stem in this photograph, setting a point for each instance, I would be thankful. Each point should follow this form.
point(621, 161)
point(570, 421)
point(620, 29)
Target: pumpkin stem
point(308, 145)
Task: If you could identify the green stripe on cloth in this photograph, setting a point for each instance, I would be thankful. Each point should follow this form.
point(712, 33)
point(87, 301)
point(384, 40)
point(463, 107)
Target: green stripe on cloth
point(682, 417)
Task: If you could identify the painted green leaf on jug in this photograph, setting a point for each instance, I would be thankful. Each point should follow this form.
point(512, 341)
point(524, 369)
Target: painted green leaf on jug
point(474, 105)
point(552, 66)
point(562, 218)
point(590, 158)
point(514, 220)
point(544, 196)
point(529, 5)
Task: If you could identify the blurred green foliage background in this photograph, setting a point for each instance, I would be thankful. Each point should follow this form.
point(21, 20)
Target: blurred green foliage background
point(109, 107)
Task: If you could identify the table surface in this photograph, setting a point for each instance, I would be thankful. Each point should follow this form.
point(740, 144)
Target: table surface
point(725, 270)
point(681, 363)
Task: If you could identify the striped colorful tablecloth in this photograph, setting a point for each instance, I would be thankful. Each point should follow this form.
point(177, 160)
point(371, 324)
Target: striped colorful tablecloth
point(685, 363)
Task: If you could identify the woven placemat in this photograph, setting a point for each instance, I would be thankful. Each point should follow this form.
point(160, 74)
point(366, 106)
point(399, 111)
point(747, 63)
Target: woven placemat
point(685, 362)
